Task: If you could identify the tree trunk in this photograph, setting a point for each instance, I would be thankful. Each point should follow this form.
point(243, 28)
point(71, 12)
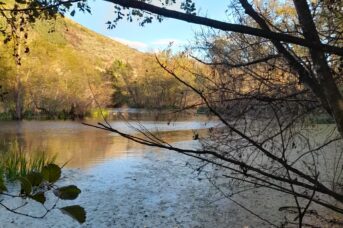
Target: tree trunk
point(323, 73)
point(18, 99)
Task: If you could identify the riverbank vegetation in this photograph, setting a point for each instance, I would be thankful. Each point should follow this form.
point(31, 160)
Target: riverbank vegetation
point(14, 162)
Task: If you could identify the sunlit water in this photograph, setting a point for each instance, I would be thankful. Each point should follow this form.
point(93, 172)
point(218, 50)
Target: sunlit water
point(125, 184)
point(83, 146)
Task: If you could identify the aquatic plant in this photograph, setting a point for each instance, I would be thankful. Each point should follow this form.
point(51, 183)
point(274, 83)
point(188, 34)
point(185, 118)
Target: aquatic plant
point(37, 175)
point(14, 162)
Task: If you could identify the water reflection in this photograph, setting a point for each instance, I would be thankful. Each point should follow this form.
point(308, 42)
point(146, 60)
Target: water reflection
point(146, 115)
point(83, 146)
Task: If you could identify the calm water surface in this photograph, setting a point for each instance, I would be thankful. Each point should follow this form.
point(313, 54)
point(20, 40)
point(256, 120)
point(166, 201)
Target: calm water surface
point(82, 146)
point(111, 165)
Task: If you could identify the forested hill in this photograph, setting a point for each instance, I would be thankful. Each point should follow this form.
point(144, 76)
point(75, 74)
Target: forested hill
point(66, 70)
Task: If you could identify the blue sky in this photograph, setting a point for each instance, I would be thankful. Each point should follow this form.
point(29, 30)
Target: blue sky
point(153, 36)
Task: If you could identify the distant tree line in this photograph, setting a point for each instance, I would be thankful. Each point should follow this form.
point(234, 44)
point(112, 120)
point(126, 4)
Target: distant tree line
point(152, 89)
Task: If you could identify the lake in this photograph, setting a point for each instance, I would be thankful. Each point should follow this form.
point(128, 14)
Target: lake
point(125, 184)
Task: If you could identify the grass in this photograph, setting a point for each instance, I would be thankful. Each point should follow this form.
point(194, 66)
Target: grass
point(15, 162)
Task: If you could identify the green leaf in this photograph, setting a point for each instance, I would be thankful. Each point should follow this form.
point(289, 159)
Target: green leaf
point(72, 13)
point(26, 186)
point(39, 197)
point(51, 173)
point(76, 212)
point(35, 178)
point(69, 192)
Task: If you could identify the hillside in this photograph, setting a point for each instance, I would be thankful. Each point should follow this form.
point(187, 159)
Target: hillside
point(70, 70)
point(64, 70)
point(95, 49)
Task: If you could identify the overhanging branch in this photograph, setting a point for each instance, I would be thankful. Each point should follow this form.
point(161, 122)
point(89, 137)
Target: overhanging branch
point(225, 26)
point(194, 19)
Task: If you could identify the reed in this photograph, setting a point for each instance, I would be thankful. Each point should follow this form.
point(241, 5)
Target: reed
point(15, 162)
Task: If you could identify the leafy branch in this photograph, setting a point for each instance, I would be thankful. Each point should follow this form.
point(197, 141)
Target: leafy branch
point(35, 185)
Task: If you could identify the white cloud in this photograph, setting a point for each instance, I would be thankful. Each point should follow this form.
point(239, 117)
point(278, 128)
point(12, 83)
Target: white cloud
point(153, 46)
point(134, 44)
